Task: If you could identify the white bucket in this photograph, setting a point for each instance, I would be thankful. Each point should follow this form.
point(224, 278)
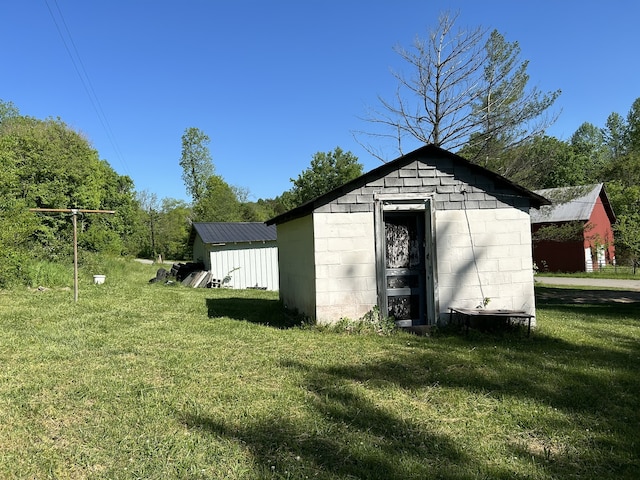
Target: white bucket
point(99, 279)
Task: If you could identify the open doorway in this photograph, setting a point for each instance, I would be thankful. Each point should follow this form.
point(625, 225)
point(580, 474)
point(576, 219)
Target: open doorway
point(406, 286)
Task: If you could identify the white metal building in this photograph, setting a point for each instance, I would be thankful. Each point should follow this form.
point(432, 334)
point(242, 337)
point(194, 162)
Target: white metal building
point(241, 255)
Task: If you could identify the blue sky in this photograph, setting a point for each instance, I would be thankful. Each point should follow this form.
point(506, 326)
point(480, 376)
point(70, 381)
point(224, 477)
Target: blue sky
point(273, 82)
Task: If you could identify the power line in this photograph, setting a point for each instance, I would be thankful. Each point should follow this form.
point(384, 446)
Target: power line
point(78, 65)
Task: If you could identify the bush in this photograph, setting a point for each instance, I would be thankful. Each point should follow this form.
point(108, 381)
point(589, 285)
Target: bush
point(372, 322)
point(12, 271)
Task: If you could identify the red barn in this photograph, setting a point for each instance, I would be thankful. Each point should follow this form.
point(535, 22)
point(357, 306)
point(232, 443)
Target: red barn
point(574, 233)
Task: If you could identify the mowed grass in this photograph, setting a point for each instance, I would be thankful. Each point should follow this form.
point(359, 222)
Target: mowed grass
point(149, 381)
point(620, 272)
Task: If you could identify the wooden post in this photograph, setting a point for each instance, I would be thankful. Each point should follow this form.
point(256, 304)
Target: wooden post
point(74, 213)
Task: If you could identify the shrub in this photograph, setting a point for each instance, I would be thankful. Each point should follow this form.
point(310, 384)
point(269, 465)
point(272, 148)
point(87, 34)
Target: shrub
point(371, 322)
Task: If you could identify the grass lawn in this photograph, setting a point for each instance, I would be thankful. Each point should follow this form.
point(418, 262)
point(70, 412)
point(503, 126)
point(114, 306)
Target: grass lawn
point(621, 272)
point(148, 381)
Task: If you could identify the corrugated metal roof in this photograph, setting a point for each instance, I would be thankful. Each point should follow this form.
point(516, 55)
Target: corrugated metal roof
point(567, 204)
point(236, 232)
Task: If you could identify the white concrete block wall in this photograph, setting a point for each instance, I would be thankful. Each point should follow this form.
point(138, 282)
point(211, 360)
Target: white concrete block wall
point(296, 266)
point(345, 265)
point(500, 241)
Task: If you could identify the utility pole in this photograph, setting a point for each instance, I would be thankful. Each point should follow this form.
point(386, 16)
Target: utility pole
point(74, 213)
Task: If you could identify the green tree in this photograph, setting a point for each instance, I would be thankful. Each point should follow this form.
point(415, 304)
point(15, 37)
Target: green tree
point(16, 224)
point(56, 166)
point(589, 147)
point(8, 110)
point(623, 189)
point(505, 112)
point(615, 135)
point(173, 229)
point(633, 127)
point(327, 171)
point(628, 240)
point(47, 164)
point(540, 162)
point(16, 227)
point(118, 194)
point(264, 209)
point(219, 203)
point(196, 162)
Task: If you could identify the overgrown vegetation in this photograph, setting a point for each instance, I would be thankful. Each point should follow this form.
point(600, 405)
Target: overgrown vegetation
point(372, 322)
point(142, 380)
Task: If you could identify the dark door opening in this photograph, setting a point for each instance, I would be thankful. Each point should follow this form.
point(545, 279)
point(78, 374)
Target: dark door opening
point(405, 267)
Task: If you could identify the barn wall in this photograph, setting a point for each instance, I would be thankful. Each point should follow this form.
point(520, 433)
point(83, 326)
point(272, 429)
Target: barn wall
point(556, 256)
point(484, 254)
point(600, 235)
point(247, 264)
point(345, 265)
point(296, 265)
point(569, 256)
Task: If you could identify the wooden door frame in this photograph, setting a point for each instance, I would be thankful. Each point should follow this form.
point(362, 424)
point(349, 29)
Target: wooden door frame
point(407, 203)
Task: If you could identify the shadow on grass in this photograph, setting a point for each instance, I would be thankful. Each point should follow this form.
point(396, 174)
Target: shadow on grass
point(579, 296)
point(266, 312)
point(550, 388)
point(591, 387)
point(345, 436)
point(592, 305)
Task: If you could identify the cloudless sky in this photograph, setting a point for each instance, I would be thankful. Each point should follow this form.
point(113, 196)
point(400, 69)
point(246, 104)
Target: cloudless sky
point(274, 81)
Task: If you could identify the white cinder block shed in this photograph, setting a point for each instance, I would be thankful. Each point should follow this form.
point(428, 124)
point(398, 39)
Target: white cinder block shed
point(415, 236)
point(243, 254)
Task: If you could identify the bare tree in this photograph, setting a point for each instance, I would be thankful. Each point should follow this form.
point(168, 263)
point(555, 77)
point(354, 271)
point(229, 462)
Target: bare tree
point(461, 92)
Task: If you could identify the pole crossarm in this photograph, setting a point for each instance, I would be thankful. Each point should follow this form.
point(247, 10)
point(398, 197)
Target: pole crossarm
point(74, 212)
point(70, 210)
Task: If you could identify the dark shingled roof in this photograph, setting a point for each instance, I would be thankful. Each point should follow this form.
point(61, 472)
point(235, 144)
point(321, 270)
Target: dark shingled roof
point(422, 153)
point(236, 232)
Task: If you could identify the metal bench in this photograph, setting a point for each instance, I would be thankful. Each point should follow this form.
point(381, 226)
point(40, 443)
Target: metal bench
point(468, 313)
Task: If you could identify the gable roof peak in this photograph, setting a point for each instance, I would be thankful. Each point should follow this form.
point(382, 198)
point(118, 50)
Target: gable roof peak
point(423, 153)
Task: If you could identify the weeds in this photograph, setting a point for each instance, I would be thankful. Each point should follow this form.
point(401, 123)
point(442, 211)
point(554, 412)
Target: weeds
point(372, 322)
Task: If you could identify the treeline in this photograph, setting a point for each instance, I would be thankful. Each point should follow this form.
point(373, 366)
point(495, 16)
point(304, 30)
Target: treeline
point(609, 154)
point(46, 164)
